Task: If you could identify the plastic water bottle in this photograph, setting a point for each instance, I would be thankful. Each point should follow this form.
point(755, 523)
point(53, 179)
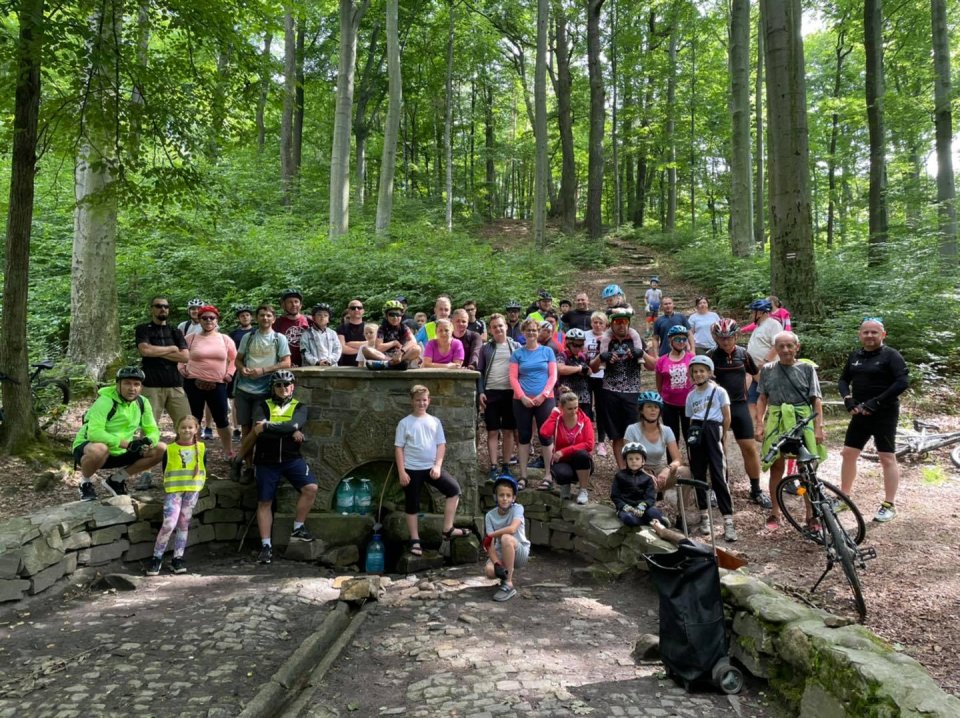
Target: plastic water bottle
point(363, 498)
point(346, 499)
point(374, 561)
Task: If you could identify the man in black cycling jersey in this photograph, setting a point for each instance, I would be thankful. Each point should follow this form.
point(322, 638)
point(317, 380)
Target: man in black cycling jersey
point(871, 384)
point(731, 367)
point(512, 318)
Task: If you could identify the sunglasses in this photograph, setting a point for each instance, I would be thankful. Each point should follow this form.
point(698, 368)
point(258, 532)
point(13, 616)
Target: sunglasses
point(161, 306)
point(208, 319)
point(679, 339)
point(394, 314)
point(878, 320)
point(355, 309)
point(575, 344)
point(283, 383)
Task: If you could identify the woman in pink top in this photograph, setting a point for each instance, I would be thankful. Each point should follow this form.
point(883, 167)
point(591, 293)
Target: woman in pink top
point(208, 373)
point(444, 352)
point(673, 381)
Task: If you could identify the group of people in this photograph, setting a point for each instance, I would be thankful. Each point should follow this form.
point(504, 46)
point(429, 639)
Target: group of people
point(571, 379)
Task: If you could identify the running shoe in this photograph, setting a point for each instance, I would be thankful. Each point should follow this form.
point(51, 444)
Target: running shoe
point(536, 463)
point(761, 499)
point(885, 513)
point(729, 532)
point(156, 563)
point(236, 436)
point(601, 449)
point(582, 497)
point(266, 554)
point(301, 534)
point(87, 492)
point(178, 565)
point(493, 474)
point(117, 487)
point(504, 593)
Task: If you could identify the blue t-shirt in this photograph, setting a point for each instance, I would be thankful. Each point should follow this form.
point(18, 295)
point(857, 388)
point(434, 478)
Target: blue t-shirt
point(534, 368)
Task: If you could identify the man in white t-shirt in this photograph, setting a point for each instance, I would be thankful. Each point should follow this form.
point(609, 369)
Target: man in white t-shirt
point(761, 345)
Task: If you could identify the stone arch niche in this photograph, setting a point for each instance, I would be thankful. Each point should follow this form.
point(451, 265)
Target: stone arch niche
point(353, 415)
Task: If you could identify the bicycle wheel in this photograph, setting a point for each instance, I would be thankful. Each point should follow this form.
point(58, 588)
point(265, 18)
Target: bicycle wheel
point(50, 399)
point(847, 514)
point(846, 554)
point(903, 445)
point(955, 456)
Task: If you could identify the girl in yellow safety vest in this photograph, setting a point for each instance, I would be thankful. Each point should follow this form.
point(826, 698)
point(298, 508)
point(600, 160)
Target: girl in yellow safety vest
point(183, 477)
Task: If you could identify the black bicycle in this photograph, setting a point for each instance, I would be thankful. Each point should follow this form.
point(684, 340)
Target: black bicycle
point(50, 396)
point(821, 512)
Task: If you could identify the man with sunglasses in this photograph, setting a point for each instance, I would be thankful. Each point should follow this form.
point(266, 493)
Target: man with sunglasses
point(350, 333)
point(871, 384)
point(163, 347)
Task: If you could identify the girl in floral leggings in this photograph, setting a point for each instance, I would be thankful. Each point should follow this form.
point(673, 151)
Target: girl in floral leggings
point(183, 477)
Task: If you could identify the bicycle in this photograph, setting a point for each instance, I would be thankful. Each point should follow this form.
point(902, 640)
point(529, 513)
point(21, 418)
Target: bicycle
point(924, 438)
point(822, 513)
point(50, 396)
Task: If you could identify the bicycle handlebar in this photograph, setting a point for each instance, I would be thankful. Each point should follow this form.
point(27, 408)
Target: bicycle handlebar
point(795, 433)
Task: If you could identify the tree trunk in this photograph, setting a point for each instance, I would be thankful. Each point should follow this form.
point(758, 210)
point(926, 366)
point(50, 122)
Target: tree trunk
point(541, 163)
point(265, 61)
point(741, 161)
point(287, 169)
point(94, 330)
point(299, 97)
point(670, 217)
point(367, 91)
point(563, 88)
point(594, 218)
point(448, 121)
point(615, 155)
point(392, 125)
point(760, 206)
point(19, 424)
point(873, 48)
point(793, 274)
point(841, 52)
point(137, 100)
point(350, 16)
point(218, 100)
point(489, 141)
point(946, 190)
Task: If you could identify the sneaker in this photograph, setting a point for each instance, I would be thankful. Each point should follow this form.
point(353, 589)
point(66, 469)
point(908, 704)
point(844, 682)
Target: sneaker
point(582, 497)
point(505, 470)
point(266, 554)
point(536, 463)
point(514, 460)
point(713, 499)
point(885, 513)
point(500, 571)
point(156, 563)
point(144, 482)
point(505, 592)
point(117, 487)
point(704, 527)
point(237, 436)
point(492, 474)
point(178, 565)
point(247, 476)
point(601, 449)
point(207, 434)
point(301, 534)
point(87, 492)
point(761, 499)
point(729, 532)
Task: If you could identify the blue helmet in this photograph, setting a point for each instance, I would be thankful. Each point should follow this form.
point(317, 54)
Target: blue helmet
point(509, 481)
point(649, 397)
point(610, 291)
point(760, 305)
point(677, 330)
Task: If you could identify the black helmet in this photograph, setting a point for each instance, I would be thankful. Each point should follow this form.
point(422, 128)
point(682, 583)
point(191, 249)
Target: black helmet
point(241, 308)
point(131, 372)
point(283, 376)
point(321, 307)
point(513, 304)
point(289, 292)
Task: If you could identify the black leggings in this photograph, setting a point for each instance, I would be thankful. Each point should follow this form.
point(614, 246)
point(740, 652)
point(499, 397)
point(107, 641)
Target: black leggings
point(708, 454)
point(526, 416)
point(596, 388)
point(676, 418)
point(215, 398)
point(565, 470)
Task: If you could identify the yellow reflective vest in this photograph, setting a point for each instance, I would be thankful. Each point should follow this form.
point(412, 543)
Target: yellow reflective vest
point(281, 413)
point(180, 476)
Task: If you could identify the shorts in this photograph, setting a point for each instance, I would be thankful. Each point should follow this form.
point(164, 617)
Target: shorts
point(520, 556)
point(268, 477)
point(171, 398)
point(620, 410)
point(525, 417)
point(741, 423)
point(882, 427)
point(243, 403)
point(498, 413)
point(114, 461)
point(753, 393)
point(565, 470)
point(446, 485)
point(653, 308)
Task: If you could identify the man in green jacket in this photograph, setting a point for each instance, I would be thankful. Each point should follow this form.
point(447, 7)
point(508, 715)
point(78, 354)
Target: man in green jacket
point(106, 438)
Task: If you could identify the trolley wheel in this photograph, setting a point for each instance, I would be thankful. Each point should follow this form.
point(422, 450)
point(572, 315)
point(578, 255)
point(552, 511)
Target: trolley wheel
point(727, 677)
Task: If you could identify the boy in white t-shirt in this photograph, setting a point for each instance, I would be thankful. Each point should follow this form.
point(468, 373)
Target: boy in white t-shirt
point(505, 541)
point(708, 408)
point(419, 448)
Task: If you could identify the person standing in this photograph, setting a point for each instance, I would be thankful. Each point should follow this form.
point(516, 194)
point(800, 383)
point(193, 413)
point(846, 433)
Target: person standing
point(580, 316)
point(192, 325)
point(513, 321)
point(244, 316)
point(673, 381)
point(871, 383)
point(670, 318)
point(292, 324)
point(760, 347)
point(701, 321)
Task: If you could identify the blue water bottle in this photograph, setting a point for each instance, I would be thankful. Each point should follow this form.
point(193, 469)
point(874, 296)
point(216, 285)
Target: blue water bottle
point(345, 497)
point(363, 497)
point(374, 561)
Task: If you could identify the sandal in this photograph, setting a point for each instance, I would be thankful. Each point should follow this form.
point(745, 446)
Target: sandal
point(414, 547)
point(521, 483)
point(773, 523)
point(455, 532)
point(545, 485)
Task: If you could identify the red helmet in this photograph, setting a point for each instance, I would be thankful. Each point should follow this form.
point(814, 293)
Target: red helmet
point(725, 328)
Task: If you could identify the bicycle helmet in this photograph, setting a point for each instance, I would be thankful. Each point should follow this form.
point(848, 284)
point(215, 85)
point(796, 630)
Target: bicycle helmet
point(677, 330)
point(649, 397)
point(509, 481)
point(289, 292)
point(610, 291)
point(392, 305)
point(621, 313)
point(760, 305)
point(633, 447)
point(724, 328)
point(131, 372)
point(283, 376)
point(701, 359)
point(655, 278)
point(241, 308)
point(195, 303)
point(321, 307)
point(576, 335)
point(513, 304)
point(544, 294)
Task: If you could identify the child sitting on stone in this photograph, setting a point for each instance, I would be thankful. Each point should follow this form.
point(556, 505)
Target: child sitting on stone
point(505, 542)
point(634, 491)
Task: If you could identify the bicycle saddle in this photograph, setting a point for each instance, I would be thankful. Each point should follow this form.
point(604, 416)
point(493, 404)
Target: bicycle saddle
point(45, 364)
point(921, 425)
point(803, 455)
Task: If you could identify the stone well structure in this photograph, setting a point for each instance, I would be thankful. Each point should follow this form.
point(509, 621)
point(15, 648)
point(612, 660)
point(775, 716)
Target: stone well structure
point(353, 419)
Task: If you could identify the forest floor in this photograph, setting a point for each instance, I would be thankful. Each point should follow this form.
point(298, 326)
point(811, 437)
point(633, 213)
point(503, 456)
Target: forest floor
point(912, 588)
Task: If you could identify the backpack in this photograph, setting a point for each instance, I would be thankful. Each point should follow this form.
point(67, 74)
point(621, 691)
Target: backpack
point(245, 342)
point(113, 411)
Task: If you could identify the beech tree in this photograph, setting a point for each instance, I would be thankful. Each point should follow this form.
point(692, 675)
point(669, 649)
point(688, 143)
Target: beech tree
point(946, 190)
point(392, 126)
point(741, 163)
point(873, 47)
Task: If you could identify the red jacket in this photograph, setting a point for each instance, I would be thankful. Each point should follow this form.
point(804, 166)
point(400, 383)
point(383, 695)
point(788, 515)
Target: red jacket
point(579, 438)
